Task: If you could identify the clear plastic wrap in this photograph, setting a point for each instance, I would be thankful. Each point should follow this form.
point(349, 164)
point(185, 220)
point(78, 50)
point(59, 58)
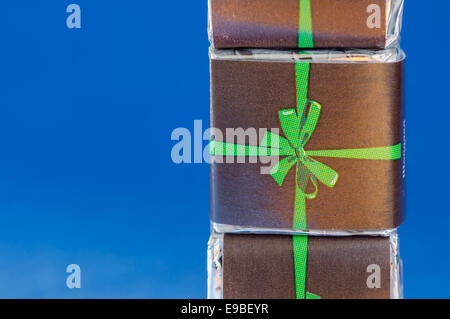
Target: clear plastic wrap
point(312, 56)
point(360, 93)
point(275, 23)
point(270, 287)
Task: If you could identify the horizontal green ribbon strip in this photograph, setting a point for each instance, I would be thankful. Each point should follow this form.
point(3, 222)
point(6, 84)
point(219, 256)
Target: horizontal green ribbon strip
point(376, 153)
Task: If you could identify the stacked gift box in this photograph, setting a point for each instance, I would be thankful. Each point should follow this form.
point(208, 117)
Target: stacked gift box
point(307, 173)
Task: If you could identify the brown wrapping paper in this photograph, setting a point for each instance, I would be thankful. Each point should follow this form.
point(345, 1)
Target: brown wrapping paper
point(275, 23)
point(362, 107)
point(262, 267)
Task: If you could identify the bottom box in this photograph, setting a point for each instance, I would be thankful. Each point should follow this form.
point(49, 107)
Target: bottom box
point(303, 267)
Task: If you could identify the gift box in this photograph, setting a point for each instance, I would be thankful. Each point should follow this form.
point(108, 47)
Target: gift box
point(302, 267)
point(328, 155)
point(294, 24)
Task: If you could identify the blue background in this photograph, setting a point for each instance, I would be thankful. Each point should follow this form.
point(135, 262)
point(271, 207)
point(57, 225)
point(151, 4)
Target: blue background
point(86, 175)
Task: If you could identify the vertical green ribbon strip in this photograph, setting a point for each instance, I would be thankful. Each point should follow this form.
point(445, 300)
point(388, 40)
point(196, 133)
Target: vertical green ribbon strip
point(300, 263)
point(298, 126)
point(305, 33)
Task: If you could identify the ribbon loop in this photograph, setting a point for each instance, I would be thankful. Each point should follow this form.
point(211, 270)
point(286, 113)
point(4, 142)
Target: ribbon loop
point(290, 123)
point(312, 119)
point(326, 175)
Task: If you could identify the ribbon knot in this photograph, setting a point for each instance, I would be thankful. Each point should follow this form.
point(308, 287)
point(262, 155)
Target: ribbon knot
point(300, 153)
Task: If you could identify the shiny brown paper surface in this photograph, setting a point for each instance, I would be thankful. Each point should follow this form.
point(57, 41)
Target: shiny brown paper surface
point(275, 23)
point(362, 107)
point(262, 267)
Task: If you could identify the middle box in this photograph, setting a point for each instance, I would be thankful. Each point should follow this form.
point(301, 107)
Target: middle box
point(309, 142)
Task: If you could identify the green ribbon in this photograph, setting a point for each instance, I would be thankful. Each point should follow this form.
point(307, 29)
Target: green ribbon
point(305, 34)
point(298, 126)
point(300, 244)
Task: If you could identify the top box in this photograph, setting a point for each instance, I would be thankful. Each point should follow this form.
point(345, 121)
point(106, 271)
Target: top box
point(290, 24)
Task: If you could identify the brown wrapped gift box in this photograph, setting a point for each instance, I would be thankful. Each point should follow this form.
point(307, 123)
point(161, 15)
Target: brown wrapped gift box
point(362, 107)
point(262, 267)
point(275, 23)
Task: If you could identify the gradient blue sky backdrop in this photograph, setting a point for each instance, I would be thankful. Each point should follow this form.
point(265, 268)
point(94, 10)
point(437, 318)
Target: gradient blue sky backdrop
point(85, 170)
